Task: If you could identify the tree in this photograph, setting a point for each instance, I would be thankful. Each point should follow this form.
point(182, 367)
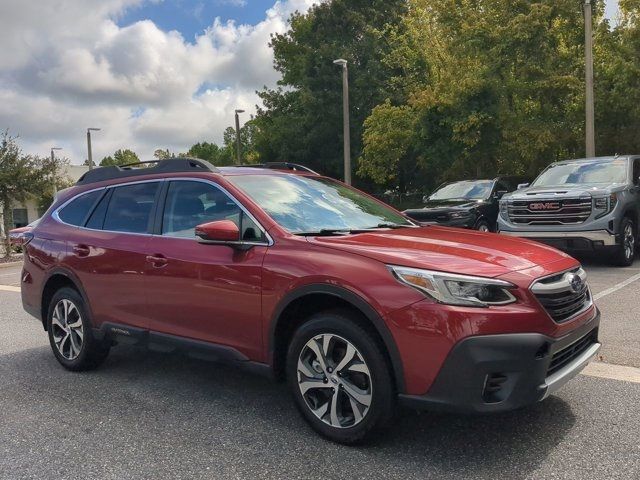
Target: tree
point(163, 154)
point(491, 86)
point(120, 157)
point(301, 120)
point(24, 176)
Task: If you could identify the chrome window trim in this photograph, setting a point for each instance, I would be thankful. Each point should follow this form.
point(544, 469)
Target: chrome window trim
point(55, 215)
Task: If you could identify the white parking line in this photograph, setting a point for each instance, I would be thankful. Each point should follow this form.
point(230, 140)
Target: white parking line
point(9, 288)
point(617, 287)
point(612, 372)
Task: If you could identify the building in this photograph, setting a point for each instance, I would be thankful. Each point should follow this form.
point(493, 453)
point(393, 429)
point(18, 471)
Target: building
point(27, 212)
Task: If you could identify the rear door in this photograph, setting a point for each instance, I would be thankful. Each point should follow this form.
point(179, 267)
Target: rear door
point(205, 292)
point(108, 253)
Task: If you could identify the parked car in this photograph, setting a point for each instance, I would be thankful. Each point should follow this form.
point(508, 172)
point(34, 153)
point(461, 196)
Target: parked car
point(580, 205)
point(306, 279)
point(18, 236)
point(467, 203)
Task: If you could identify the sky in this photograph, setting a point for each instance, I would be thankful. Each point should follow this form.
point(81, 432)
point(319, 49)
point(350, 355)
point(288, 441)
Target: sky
point(149, 73)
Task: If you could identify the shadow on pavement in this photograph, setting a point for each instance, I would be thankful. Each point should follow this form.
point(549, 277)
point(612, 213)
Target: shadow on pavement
point(175, 407)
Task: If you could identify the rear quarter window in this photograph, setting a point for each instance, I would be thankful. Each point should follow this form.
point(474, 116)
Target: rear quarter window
point(75, 212)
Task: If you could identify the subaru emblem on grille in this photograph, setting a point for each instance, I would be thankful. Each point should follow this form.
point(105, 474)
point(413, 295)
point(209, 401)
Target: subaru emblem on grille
point(575, 283)
point(544, 206)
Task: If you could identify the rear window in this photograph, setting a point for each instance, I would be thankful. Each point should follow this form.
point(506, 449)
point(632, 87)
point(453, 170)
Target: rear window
point(130, 208)
point(76, 212)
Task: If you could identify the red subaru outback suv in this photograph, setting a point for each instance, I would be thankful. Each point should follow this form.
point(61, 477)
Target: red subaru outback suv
point(310, 280)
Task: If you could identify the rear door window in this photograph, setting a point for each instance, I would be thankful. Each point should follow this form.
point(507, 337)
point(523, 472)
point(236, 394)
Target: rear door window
point(96, 220)
point(130, 208)
point(75, 213)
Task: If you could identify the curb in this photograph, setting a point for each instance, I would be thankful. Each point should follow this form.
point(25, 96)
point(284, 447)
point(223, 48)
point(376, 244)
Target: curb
point(10, 264)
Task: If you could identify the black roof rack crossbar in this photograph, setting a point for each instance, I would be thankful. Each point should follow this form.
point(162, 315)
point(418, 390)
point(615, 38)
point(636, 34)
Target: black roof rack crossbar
point(170, 165)
point(282, 166)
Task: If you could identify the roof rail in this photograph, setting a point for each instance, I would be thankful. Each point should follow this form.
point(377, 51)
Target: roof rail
point(170, 165)
point(282, 166)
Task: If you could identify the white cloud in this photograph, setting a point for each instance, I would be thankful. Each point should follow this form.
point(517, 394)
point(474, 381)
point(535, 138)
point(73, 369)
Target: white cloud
point(67, 65)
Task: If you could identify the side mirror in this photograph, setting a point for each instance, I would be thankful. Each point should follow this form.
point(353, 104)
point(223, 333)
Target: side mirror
point(220, 232)
point(499, 194)
point(425, 199)
point(522, 185)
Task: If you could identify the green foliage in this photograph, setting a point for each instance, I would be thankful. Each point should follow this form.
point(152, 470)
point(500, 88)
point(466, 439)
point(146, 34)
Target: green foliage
point(161, 154)
point(495, 86)
point(301, 121)
point(120, 157)
point(24, 176)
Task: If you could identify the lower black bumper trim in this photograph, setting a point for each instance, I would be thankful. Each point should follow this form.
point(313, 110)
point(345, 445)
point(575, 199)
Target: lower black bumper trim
point(496, 373)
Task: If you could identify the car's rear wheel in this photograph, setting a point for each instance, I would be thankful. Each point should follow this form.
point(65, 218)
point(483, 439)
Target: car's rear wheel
point(70, 333)
point(340, 378)
point(626, 251)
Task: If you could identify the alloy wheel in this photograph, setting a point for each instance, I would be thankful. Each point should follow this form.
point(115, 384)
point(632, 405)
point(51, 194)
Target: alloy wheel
point(629, 241)
point(334, 380)
point(68, 333)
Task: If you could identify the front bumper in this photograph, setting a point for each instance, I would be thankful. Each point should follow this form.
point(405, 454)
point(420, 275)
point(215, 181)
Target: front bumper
point(493, 373)
point(576, 240)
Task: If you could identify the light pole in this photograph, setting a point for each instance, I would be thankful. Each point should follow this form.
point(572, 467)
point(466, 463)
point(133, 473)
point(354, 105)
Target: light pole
point(53, 166)
point(89, 153)
point(345, 119)
point(238, 145)
point(589, 107)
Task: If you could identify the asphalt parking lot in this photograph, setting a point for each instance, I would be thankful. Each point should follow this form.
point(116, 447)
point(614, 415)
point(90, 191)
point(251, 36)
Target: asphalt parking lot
point(148, 415)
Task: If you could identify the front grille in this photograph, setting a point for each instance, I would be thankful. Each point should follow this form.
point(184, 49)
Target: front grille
point(567, 211)
point(563, 357)
point(562, 296)
point(428, 215)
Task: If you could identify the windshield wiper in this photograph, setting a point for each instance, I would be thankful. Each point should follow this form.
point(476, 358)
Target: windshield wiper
point(392, 225)
point(324, 232)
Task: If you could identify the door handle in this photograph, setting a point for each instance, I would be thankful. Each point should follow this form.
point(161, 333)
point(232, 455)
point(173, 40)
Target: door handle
point(157, 260)
point(81, 250)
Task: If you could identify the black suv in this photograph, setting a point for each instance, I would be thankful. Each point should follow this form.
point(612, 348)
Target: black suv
point(467, 204)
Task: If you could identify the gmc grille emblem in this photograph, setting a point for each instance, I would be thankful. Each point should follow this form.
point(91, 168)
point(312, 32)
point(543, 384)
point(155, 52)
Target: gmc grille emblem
point(544, 206)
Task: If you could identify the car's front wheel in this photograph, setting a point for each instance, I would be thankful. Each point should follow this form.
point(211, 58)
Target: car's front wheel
point(626, 251)
point(340, 378)
point(483, 226)
point(70, 333)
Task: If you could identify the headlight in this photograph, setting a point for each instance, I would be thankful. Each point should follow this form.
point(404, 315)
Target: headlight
point(605, 203)
point(504, 209)
point(456, 289)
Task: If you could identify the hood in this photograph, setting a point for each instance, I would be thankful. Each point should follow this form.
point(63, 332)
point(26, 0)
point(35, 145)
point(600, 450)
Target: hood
point(448, 204)
point(568, 190)
point(446, 249)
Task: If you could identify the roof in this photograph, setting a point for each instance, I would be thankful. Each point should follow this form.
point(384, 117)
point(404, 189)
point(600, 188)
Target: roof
point(185, 165)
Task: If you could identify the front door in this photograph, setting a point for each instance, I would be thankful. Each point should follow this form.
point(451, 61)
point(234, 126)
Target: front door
point(206, 292)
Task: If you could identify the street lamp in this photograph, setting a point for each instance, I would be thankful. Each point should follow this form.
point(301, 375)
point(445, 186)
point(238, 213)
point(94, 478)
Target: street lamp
point(345, 119)
point(89, 153)
point(53, 166)
point(239, 158)
point(589, 100)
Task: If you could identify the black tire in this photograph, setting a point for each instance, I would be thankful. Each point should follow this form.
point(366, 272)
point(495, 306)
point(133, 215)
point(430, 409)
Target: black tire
point(343, 326)
point(483, 225)
point(624, 254)
point(92, 352)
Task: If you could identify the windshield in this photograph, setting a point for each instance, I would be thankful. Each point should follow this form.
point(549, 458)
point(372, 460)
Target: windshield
point(311, 204)
point(583, 172)
point(468, 190)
